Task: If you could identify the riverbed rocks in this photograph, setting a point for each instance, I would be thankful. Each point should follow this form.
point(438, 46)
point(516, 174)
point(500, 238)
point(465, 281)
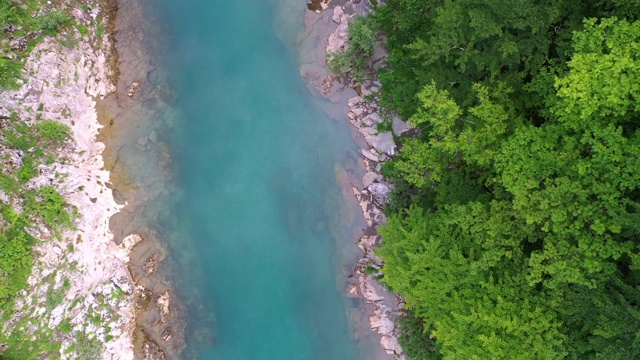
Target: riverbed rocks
point(133, 88)
point(378, 132)
point(338, 39)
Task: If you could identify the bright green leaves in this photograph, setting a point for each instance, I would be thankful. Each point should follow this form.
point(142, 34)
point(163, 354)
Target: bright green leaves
point(540, 259)
point(569, 178)
point(437, 110)
point(602, 84)
point(453, 139)
point(355, 60)
point(459, 269)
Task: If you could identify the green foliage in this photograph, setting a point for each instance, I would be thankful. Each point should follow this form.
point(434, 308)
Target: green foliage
point(51, 134)
point(461, 43)
point(44, 135)
point(28, 169)
point(83, 30)
point(32, 28)
point(52, 208)
point(45, 205)
point(39, 143)
point(51, 21)
point(415, 340)
point(355, 60)
point(513, 230)
point(86, 347)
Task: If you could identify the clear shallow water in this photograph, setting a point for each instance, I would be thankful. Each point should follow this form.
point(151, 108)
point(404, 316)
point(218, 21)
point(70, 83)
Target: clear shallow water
point(265, 228)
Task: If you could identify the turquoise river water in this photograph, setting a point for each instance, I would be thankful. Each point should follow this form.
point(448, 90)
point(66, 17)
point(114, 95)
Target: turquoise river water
point(268, 227)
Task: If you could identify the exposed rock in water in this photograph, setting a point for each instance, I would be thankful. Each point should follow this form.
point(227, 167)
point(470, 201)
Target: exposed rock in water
point(318, 5)
point(163, 302)
point(133, 88)
point(151, 351)
point(377, 147)
point(369, 178)
point(352, 291)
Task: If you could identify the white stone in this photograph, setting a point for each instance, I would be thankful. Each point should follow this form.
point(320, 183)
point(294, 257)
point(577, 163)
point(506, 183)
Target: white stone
point(391, 345)
point(369, 155)
point(337, 14)
point(382, 324)
point(380, 192)
point(372, 119)
point(383, 142)
point(369, 178)
point(400, 127)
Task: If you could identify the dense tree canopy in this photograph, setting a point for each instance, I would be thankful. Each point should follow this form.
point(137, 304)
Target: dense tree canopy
point(514, 229)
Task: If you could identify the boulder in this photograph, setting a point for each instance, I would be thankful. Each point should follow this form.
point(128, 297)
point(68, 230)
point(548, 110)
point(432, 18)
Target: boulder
point(400, 127)
point(382, 324)
point(383, 142)
point(143, 141)
point(369, 155)
point(355, 101)
point(369, 178)
point(390, 345)
point(372, 119)
point(368, 290)
point(19, 44)
point(352, 291)
point(133, 88)
point(380, 192)
point(338, 38)
point(337, 14)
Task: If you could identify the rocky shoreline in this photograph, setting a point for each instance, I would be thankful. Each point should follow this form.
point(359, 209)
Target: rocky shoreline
point(376, 147)
point(84, 266)
point(97, 289)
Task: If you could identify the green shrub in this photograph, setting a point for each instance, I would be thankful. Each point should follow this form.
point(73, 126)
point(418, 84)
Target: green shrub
point(28, 170)
point(53, 209)
point(52, 21)
point(52, 133)
point(415, 341)
point(355, 60)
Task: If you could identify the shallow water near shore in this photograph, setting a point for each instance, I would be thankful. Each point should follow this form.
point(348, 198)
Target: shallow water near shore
point(259, 224)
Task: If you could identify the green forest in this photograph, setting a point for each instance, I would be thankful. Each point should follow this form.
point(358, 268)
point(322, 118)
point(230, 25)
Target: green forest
point(514, 225)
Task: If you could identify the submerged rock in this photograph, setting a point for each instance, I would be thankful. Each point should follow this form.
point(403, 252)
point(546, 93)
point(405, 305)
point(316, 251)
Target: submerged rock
point(133, 88)
point(352, 291)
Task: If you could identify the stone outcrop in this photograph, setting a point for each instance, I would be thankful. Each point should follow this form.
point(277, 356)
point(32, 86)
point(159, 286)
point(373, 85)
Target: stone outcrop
point(84, 265)
point(377, 145)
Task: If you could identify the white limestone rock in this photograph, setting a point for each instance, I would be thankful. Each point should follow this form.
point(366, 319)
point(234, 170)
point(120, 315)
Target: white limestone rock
point(400, 127)
point(381, 192)
point(382, 142)
point(369, 178)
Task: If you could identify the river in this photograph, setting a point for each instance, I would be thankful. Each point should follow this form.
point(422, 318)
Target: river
point(263, 230)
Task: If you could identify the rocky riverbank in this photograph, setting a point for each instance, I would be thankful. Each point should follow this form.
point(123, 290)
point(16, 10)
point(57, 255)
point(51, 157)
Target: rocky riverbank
point(96, 291)
point(377, 146)
point(80, 293)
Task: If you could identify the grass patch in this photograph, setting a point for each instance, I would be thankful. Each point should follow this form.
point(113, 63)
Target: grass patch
point(24, 32)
